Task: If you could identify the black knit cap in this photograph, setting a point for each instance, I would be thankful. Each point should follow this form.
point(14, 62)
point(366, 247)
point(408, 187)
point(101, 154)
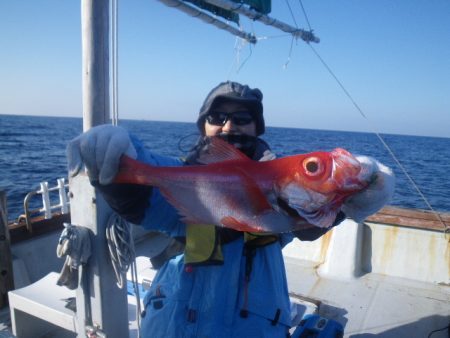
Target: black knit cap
point(235, 92)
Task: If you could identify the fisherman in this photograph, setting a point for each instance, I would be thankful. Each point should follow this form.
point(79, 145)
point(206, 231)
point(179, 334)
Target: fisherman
point(212, 281)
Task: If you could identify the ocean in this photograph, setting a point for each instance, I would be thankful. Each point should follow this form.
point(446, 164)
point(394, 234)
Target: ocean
point(32, 150)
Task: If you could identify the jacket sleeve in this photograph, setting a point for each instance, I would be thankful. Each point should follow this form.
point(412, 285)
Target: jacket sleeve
point(144, 205)
point(128, 200)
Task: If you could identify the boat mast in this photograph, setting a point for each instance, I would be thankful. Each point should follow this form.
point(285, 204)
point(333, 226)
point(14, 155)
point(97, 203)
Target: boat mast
point(95, 62)
point(102, 308)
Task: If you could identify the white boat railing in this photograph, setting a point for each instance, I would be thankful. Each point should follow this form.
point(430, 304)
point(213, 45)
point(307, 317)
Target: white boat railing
point(48, 209)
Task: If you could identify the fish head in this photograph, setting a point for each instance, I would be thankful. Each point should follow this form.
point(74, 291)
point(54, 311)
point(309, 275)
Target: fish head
point(328, 172)
point(319, 183)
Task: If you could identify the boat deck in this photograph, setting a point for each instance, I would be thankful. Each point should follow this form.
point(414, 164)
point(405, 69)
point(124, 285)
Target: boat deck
point(372, 305)
point(375, 305)
point(376, 280)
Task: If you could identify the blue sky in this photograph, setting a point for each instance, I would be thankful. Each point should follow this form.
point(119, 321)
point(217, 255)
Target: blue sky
point(392, 56)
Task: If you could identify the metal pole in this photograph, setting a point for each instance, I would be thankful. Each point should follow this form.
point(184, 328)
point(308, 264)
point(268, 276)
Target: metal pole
point(95, 62)
point(100, 303)
point(180, 5)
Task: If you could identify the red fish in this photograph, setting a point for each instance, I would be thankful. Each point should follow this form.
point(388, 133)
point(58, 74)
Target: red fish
point(233, 191)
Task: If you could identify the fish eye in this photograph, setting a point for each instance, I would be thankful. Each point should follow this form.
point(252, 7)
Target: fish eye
point(312, 166)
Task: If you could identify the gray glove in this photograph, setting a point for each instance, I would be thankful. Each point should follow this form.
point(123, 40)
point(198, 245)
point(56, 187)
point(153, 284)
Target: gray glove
point(99, 149)
point(75, 243)
point(376, 195)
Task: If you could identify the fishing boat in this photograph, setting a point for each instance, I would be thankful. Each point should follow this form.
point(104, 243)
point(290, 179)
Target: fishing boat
point(386, 277)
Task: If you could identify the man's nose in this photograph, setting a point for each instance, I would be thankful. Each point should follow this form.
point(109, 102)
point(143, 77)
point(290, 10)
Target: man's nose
point(228, 126)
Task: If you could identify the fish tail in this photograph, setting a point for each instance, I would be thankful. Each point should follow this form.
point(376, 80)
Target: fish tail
point(134, 172)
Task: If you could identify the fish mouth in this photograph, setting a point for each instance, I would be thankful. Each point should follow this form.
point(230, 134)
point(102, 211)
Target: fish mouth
point(347, 171)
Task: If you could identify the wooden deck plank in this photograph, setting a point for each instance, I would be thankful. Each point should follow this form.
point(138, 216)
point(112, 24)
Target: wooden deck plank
point(411, 218)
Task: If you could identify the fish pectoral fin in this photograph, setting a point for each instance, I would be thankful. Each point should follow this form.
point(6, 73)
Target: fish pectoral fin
point(186, 215)
point(258, 201)
point(233, 223)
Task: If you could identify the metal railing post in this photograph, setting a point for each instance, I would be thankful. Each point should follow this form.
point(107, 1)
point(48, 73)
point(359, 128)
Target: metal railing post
point(46, 206)
point(63, 203)
point(6, 269)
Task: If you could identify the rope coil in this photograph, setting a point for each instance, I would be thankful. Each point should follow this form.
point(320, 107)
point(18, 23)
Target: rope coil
point(120, 245)
point(123, 257)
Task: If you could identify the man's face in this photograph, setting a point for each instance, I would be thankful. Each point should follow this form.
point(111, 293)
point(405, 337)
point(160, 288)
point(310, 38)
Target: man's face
point(230, 118)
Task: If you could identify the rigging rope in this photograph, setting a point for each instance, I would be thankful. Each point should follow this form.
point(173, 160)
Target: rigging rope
point(358, 108)
point(240, 64)
point(304, 13)
point(394, 157)
point(290, 54)
point(292, 13)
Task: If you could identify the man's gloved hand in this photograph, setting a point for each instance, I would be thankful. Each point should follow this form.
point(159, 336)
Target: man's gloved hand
point(99, 149)
point(376, 195)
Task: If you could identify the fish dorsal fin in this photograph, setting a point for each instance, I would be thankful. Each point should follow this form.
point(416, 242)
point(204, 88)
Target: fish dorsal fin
point(218, 151)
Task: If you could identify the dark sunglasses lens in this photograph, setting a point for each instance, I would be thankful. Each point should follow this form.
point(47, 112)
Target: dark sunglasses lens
point(217, 119)
point(242, 118)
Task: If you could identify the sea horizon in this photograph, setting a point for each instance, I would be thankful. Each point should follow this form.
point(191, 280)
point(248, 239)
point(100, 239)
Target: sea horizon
point(267, 125)
point(32, 150)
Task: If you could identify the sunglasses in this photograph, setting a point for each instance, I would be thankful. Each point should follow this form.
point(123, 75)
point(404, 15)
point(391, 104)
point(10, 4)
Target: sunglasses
point(239, 118)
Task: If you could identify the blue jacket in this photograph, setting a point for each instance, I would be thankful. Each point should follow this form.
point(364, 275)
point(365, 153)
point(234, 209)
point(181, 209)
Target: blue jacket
point(207, 301)
point(246, 296)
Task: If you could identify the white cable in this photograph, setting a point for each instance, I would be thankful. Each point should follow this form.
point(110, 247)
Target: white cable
point(123, 257)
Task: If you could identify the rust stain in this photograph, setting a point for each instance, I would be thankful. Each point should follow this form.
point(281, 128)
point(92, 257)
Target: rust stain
point(315, 287)
point(390, 238)
point(432, 253)
point(326, 239)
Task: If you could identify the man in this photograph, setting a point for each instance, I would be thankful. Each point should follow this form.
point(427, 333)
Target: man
point(222, 283)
